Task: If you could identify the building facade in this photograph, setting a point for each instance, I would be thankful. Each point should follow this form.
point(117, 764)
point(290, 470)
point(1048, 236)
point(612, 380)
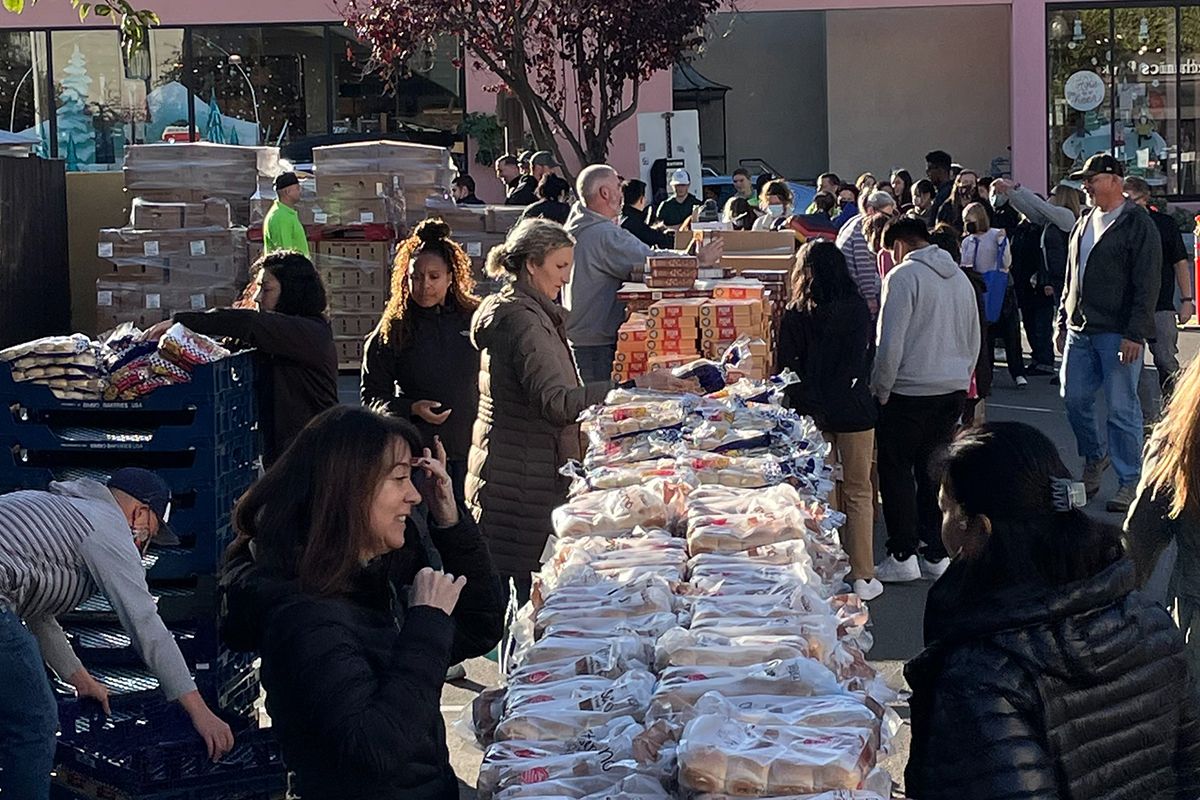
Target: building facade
point(1030, 87)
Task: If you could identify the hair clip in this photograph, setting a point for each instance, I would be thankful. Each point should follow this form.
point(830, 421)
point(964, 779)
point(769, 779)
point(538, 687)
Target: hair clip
point(1067, 494)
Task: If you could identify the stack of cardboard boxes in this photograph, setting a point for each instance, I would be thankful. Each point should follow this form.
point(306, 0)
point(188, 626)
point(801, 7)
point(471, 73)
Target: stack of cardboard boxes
point(673, 332)
point(672, 272)
point(357, 275)
point(173, 256)
point(477, 229)
point(632, 348)
point(747, 250)
point(195, 171)
point(382, 179)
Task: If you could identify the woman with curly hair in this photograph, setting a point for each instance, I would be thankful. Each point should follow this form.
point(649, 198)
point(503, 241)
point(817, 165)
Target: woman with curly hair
point(419, 363)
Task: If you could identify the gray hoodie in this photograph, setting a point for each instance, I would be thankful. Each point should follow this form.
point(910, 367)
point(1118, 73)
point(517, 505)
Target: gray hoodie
point(58, 548)
point(605, 257)
point(928, 330)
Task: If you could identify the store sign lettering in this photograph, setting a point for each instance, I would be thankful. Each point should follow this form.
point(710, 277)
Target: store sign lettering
point(1187, 67)
point(1084, 90)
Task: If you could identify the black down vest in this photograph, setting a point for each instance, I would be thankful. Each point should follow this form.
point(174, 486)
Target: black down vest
point(1078, 691)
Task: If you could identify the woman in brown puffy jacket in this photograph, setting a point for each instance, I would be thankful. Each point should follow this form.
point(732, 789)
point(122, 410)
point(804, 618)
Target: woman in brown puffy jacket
point(530, 398)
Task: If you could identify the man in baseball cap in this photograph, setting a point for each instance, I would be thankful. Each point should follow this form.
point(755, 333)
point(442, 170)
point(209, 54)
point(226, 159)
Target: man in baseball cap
point(672, 212)
point(58, 548)
point(541, 164)
point(1099, 164)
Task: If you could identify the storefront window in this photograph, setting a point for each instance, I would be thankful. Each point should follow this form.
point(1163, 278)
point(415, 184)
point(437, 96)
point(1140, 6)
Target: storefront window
point(424, 102)
point(1080, 44)
point(23, 100)
point(106, 100)
point(259, 85)
point(1189, 99)
point(1146, 102)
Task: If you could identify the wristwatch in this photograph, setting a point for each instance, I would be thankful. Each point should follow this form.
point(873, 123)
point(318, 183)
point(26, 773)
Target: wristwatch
point(1185, 299)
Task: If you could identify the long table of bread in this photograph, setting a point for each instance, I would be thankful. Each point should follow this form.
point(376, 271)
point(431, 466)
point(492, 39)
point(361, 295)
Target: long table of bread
point(688, 634)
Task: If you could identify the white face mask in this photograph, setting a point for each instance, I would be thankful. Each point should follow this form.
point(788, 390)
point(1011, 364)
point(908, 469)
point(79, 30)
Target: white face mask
point(775, 210)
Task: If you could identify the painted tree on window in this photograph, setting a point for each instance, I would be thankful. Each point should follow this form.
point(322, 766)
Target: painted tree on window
point(575, 66)
point(76, 133)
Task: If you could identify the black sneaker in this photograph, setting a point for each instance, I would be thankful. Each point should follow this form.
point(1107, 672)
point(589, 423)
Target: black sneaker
point(1093, 473)
point(1036, 370)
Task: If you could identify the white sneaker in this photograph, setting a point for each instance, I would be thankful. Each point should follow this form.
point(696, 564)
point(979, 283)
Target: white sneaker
point(892, 570)
point(868, 589)
point(934, 569)
point(1021, 382)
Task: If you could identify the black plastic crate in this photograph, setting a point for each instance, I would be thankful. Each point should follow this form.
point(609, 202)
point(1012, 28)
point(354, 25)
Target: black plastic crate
point(151, 750)
point(201, 559)
point(210, 384)
point(177, 600)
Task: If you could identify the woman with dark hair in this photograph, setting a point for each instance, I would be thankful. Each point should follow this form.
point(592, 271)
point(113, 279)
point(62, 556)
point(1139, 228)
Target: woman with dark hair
point(419, 363)
point(289, 330)
point(742, 215)
point(530, 398)
point(826, 337)
point(1044, 674)
point(902, 184)
point(965, 192)
point(776, 201)
point(552, 193)
point(343, 579)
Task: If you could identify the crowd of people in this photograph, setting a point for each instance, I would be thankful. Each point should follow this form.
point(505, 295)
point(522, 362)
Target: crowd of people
point(382, 544)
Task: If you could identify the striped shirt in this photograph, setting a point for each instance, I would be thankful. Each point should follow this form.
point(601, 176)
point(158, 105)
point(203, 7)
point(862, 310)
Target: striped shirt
point(58, 548)
point(860, 260)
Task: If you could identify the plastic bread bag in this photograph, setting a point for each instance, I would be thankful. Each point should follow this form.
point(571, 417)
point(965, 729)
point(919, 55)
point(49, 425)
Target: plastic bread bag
point(793, 551)
point(674, 478)
point(733, 470)
point(619, 782)
point(620, 397)
point(613, 421)
point(605, 564)
point(799, 573)
point(631, 691)
point(680, 687)
point(620, 647)
point(584, 575)
point(664, 443)
point(649, 596)
point(74, 345)
point(836, 794)
point(834, 711)
point(802, 600)
point(188, 348)
point(725, 437)
point(768, 391)
point(605, 664)
point(680, 647)
point(544, 722)
point(612, 512)
point(520, 763)
point(738, 532)
point(820, 633)
point(647, 626)
point(572, 583)
point(710, 374)
point(729, 500)
point(721, 755)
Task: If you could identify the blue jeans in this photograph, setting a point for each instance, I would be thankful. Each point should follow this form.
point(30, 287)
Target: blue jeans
point(1091, 363)
point(28, 714)
point(595, 362)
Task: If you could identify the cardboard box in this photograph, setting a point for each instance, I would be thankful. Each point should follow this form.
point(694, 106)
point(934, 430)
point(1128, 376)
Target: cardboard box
point(670, 360)
point(626, 357)
point(672, 334)
point(689, 320)
point(354, 278)
point(358, 186)
point(350, 352)
point(462, 219)
point(353, 254)
point(739, 290)
point(357, 325)
point(781, 243)
point(688, 306)
point(355, 301)
point(146, 304)
point(739, 264)
point(632, 335)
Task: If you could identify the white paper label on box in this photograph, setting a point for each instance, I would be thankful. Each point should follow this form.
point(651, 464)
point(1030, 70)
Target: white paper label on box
point(150, 248)
point(198, 248)
point(366, 216)
point(379, 189)
point(320, 217)
point(104, 298)
point(105, 250)
point(198, 302)
point(474, 249)
point(154, 301)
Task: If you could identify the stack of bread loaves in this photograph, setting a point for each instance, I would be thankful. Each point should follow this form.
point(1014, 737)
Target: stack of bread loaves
point(687, 635)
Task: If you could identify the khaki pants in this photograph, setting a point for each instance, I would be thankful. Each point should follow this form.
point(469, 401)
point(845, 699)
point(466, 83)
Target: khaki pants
point(855, 498)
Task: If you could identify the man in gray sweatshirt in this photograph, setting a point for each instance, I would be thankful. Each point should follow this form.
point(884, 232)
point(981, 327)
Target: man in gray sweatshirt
point(57, 548)
point(606, 256)
point(927, 346)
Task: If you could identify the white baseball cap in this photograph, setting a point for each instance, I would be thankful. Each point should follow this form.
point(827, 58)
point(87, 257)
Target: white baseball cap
point(680, 178)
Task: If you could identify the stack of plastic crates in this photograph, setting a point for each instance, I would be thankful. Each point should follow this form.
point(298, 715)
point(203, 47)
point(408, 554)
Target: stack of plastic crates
point(202, 438)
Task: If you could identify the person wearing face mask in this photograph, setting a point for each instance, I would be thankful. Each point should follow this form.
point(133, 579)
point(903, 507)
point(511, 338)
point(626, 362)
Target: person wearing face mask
point(777, 200)
point(1044, 674)
point(298, 371)
point(531, 395)
point(606, 256)
point(847, 201)
point(966, 192)
point(58, 548)
point(358, 590)
point(923, 192)
point(419, 363)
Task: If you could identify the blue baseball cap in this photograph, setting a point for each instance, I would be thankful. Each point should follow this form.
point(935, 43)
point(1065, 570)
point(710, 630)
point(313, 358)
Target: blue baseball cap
point(146, 487)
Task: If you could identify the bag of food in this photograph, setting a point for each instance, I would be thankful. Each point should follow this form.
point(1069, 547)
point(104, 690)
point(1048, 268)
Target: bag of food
point(613, 512)
point(681, 647)
point(680, 687)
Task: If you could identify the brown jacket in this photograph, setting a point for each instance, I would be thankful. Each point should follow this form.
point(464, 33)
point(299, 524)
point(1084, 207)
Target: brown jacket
point(530, 397)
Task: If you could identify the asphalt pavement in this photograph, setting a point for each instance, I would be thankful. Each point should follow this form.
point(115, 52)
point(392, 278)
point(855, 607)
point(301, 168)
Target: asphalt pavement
point(897, 614)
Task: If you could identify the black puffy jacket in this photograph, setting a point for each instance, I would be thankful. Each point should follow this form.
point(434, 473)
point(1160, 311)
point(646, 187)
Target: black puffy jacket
point(1079, 691)
point(354, 682)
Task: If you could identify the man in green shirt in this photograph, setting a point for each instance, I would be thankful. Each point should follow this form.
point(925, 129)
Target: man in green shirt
point(282, 229)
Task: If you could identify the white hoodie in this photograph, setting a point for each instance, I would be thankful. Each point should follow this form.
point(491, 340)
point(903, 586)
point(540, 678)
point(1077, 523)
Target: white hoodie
point(928, 330)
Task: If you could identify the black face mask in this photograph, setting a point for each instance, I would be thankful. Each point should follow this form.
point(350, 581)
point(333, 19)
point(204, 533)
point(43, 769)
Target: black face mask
point(972, 227)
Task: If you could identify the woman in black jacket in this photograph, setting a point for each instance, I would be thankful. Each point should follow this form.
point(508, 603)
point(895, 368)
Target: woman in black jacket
point(296, 355)
point(826, 338)
point(419, 363)
point(1045, 675)
point(342, 578)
